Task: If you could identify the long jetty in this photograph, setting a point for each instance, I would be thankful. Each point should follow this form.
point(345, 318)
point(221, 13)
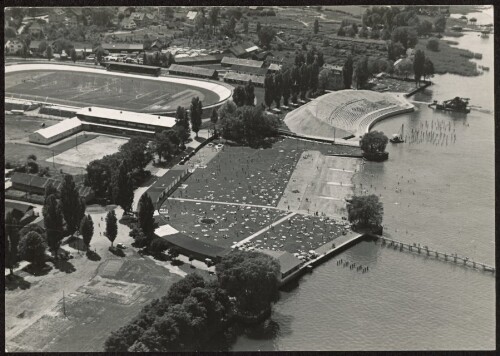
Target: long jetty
point(443, 256)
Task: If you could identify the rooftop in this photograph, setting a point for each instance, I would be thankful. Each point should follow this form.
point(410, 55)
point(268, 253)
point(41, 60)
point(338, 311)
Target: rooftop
point(196, 246)
point(165, 181)
point(244, 77)
point(192, 70)
point(286, 259)
point(249, 70)
point(61, 126)
point(128, 116)
point(242, 62)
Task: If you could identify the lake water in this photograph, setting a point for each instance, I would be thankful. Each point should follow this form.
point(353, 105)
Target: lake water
point(440, 195)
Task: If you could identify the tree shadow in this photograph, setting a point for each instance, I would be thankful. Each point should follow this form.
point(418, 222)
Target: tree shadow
point(177, 262)
point(12, 282)
point(64, 266)
point(116, 251)
point(37, 270)
point(128, 220)
point(93, 256)
point(77, 243)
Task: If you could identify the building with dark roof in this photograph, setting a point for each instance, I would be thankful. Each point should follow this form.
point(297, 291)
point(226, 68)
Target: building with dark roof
point(160, 190)
point(190, 71)
point(199, 60)
point(249, 70)
point(32, 184)
point(288, 262)
point(22, 212)
point(244, 50)
point(200, 250)
point(242, 78)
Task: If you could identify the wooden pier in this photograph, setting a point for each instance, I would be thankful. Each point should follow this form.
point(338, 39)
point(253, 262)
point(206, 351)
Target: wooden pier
point(443, 256)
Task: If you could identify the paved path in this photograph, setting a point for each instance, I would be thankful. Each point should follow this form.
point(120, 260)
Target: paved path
point(224, 203)
point(251, 237)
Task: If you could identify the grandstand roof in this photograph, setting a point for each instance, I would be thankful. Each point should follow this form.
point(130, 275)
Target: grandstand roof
point(62, 126)
point(128, 116)
point(286, 259)
point(215, 58)
point(244, 77)
point(206, 72)
point(198, 247)
point(42, 182)
point(242, 62)
point(249, 70)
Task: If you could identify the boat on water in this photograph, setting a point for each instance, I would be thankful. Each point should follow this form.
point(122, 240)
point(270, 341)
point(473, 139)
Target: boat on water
point(398, 138)
point(456, 104)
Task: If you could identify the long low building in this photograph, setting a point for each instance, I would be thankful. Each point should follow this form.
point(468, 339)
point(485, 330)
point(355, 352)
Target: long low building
point(200, 60)
point(56, 132)
point(230, 61)
point(195, 248)
point(104, 120)
point(160, 190)
point(249, 70)
point(190, 71)
point(124, 122)
point(241, 78)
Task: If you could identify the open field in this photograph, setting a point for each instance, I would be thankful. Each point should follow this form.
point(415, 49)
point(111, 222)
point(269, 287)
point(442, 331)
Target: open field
point(17, 147)
point(84, 153)
point(252, 176)
point(102, 292)
point(86, 89)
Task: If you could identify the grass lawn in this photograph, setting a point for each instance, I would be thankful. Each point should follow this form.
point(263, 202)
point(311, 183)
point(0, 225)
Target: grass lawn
point(84, 89)
point(449, 59)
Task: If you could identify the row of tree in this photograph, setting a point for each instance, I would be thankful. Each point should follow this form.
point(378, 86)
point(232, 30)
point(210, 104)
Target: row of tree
point(199, 315)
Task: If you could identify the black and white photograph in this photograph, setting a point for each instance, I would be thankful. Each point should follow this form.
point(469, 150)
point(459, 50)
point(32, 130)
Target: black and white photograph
point(272, 178)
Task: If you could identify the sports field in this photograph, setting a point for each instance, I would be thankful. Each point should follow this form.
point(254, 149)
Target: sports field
point(83, 154)
point(102, 89)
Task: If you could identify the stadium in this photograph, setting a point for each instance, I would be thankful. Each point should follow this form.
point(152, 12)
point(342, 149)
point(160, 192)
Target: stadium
point(345, 113)
point(89, 86)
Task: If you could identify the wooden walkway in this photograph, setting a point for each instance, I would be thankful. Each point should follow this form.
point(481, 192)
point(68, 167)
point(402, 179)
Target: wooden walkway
point(425, 250)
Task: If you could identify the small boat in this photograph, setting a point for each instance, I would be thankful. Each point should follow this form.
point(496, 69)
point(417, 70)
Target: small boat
point(398, 138)
point(456, 104)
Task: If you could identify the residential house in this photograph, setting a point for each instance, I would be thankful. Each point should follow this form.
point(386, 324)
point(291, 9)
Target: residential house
point(244, 50)
point(191, 15)
point(150, 19)
point(35, 29)
point(57, 15)
point(126, 10)
point(72, 21)
point(128, 24)
point(138, 18)
point(157, 45)
point(13, 47)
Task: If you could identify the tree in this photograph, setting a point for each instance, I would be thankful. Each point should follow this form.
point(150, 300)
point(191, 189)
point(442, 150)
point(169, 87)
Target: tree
point(433, 44)
point(49, 53)
point(348, 72)
point(239, 96)
point(125, 189)
point(111, 226)
point(251, 278)
point(87, 230)
point(268, 90)
point(316, 26)
point(323, 79)
point(32, 248)
point(440, 24)
point(11, 241)
point(363, 33)
point(341, 32)
point(277, 89)
point(99, 54)
point(394, 50)
point(373, 142)
point(428, 68)
point(213, 17)
point(145, 211)
point(71, 204)
point(53, 220)
point(405, 67)
point(214, 118)
point(266, 36)
point(42, 46)
point(365, 211)
point(182, 120)
point(418, 65)
point(258, 28)
point(245, 26)
point(361, 72)
point(196, 112)
point(73, 55)
point(287, 82)
point(157, 246)
point(424, 27)
point(405, 35)
point(140, 239)
point(249, 93)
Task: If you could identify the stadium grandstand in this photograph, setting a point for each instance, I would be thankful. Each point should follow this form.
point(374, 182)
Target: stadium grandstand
point(230, 61)
point(200, 60)
point(133, 68)
point(189, 71)
point(249, 70)
point(241, 78)
point(345, 113)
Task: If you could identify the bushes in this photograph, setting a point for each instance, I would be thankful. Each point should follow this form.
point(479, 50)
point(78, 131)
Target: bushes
point(433, 44)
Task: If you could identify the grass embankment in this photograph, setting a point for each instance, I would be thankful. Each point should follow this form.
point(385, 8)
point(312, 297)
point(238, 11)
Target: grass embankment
point(450, 59)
